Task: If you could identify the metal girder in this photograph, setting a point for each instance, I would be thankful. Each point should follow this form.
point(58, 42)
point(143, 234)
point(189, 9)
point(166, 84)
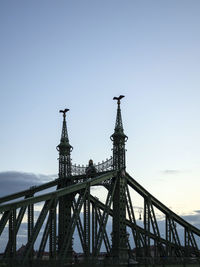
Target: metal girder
point(150, 220)
point(12, 234)
point(18, 223)
point(139, 242)
point(52, 230)
point(79, 227)
point(58, 193)
point(145, 194)
point(4, 220)
point(190, 244)
point(30, 220)
point(64, 217)
point(36, 229)
point(147, 228)
point(31, 191)
point(174, 247)
point(86, 220)
point(100, 205)
point(94, 225)
point(104, 218)
point(105, 236)
point(43, 240)
point(49, 231)
point(71, 228)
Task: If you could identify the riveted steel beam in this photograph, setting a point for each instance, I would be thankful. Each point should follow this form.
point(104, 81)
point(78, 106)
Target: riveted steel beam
point(104, 218)
point(36, 229)
point(71, 228)
point(4, 220)
point(58, 193)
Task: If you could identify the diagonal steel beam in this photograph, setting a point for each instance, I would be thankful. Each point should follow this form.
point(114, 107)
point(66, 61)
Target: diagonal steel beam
point(36, 229)
point(79, 227)
point(104, 218)
point(44, 239)
point(18, 223)
point(4, 220)
point(105, 236)
point(72, 225)
point(75, 188)
point(139, 242)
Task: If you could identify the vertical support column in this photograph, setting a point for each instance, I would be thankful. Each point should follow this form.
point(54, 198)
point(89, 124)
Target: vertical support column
point(12, 234)
point(119, 235)
point(30, 225)
point(68, 218)
point(65, 216)
point(147, 227)
point(86, 219)
point(65, 177)
point(52, 231)
point(94, 228)
point(168, 237)
point(187, 242)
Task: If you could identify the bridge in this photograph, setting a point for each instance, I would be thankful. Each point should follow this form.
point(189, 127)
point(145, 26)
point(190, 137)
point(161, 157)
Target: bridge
point(69, 206)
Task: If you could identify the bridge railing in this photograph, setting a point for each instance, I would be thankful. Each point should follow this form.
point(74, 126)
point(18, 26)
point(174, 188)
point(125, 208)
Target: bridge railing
point(106, 165)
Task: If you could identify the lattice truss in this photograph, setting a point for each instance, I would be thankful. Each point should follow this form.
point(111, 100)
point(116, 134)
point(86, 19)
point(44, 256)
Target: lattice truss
point(89, 217)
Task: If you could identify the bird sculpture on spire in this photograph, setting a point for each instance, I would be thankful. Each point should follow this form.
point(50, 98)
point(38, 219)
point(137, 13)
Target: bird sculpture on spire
point(64, 112)
point(118, 98)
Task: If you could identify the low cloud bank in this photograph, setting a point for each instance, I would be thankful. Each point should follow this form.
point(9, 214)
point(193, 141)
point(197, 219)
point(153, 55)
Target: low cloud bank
point(14, 181)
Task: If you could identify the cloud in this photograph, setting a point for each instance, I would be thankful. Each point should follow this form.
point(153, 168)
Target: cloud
point(193, 219)
point(197, 211)
point(13, 181)
point(171, 172)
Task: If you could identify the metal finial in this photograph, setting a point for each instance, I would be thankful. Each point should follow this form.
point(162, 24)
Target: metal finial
point(64, 112)
point(118, 98)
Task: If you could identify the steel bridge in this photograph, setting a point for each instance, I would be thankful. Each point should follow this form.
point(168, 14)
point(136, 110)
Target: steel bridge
point(68, 205)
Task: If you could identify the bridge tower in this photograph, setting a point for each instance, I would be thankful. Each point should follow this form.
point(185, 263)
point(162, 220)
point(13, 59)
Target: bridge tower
point(119, 234)
point(65, 179)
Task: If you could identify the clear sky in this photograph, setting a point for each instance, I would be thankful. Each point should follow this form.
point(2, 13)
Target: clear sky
point(78, 55)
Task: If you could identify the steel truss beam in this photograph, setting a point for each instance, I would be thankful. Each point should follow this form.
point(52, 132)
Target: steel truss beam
point(36, 229)
point(169, 246)
point(105, 235)
point(49, 231)
point(86, 219)
point(80, 228)
point(58, 193)
point(4, 220)
point(18, 223)
point(104, 218)
point(71, 228)
point(138, 238)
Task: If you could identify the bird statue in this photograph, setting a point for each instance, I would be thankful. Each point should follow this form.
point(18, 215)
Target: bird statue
point(64, 112)
point(118, 98)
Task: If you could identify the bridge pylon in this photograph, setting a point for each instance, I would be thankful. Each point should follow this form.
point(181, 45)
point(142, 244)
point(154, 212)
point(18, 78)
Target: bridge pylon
point(65, 179)
point(119, 232)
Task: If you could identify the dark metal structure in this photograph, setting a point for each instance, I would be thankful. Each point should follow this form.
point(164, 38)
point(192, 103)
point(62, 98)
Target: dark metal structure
point(69, 205)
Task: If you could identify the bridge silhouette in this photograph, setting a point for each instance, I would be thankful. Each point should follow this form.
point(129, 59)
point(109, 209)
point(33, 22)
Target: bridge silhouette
point(70, 206)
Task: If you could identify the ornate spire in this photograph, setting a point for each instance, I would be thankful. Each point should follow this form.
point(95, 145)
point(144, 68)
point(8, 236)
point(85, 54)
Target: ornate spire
point(64, 145)
point(119, 234)
point(119, 139)
point(119, 131)
point(118, 124)
point(64, 149)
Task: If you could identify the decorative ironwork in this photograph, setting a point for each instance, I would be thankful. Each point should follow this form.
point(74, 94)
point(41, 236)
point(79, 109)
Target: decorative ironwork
point(106, 165)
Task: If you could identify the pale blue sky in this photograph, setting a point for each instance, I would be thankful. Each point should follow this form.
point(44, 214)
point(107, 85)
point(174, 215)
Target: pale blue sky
point(79, 54)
